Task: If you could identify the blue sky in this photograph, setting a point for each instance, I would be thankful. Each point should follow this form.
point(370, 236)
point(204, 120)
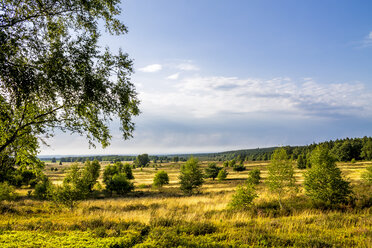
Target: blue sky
point(221, 75)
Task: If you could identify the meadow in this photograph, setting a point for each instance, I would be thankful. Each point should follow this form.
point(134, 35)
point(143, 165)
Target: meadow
point(165, 217)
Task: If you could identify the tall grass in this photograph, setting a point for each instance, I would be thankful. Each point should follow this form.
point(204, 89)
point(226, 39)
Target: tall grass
point(149, 218)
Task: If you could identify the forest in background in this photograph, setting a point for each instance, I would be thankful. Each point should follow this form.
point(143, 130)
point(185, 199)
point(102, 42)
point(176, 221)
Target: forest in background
point(342, 149)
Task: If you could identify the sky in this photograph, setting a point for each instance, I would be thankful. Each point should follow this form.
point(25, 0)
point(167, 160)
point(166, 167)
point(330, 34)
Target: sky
point(218, 75)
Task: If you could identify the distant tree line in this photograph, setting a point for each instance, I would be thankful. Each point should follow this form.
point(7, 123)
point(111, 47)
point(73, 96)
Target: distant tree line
point(348, 149)
point(117, 158)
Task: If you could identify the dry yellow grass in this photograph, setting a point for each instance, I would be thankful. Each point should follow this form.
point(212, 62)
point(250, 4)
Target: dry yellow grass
point(299, 225)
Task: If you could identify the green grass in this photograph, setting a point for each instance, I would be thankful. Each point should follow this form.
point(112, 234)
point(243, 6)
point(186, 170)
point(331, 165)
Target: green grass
point(165, 218)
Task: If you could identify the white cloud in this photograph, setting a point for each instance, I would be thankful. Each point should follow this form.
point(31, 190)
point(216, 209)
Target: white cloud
point(174, 76)
point(151, 68)
point(187, 67)
point(212, 96)
point(367, 40)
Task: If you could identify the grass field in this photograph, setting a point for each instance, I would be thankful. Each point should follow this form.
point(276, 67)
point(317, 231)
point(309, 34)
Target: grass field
point(166, 218)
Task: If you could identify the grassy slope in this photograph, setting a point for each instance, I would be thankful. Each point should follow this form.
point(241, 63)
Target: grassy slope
point(166, 218)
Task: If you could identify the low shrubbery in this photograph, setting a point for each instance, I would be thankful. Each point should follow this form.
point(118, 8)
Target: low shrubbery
point(243, 197)
point(161, 178)
point(6, 192)
point(222, 174)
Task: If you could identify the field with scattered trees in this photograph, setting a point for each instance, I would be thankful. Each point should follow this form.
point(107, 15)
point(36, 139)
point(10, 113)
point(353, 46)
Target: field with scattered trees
point(191, 204)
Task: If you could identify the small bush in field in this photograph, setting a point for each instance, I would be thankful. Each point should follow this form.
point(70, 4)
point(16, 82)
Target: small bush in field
point(191, 176)
point(212, 171)
point(222, 174)
point(254, 176)
point(281, 179)
point(6, 192)
point(161, 178)
point(323, 182)
point(120, 184)
point(367, 175)
point(67, 195)
point(43, 189)
point(239, 167)
point(243, 197)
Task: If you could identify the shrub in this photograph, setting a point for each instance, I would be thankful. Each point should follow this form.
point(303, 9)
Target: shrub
point(281, 174)
point(301, 162)
point(79, 180)
point(127, 170)
point(232, 163)
point(67, 195)
point(212, 171)
point(120, 184)
point(191, 176)
point(109, 172)
point(254, 177)
point(239, 167)
point(142, 160)
point(161, 178)
point(225, 164)
point(367, 175)
point(243, 197)
point(222, 174)
point(6, 192)
point(90, 173)
point(43, 189)
point(323, 182)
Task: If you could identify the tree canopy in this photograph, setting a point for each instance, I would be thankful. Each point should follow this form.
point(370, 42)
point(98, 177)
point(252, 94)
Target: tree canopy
point(54, 75)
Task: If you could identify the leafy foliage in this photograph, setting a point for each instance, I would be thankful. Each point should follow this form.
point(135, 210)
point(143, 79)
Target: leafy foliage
point(281, 174)
point(120, 184)
point(91, 173)
point(366, 151)
point(239, 167)
point(301, 162)
point(367, 175)
point(191, 176)
point(222, 174)
point(117, 168)
point(212, 171)
point(142, 160)
point(160, 178)
point(323, 182)
point(254, 177)
point(43, 189)
point(6, 192)
point(243, 197)
point(54, 75)
point(68, 195)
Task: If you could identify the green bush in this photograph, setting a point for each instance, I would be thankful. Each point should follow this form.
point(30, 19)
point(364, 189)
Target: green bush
point(43, 189)
point(239, 167)
point(161, 178)
point(109, 172)
point(281, 178)
point(127, 170)
point(222, 174)
point(6, 192)
point(212, 171)
point(254, 177)
point(243, 197)
point(323, 182)
point(120, 184)
point(191, 177)
point(225, 164)
point(67, 195)
point(367, 175)
point(90, 173)
point(301, 162)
